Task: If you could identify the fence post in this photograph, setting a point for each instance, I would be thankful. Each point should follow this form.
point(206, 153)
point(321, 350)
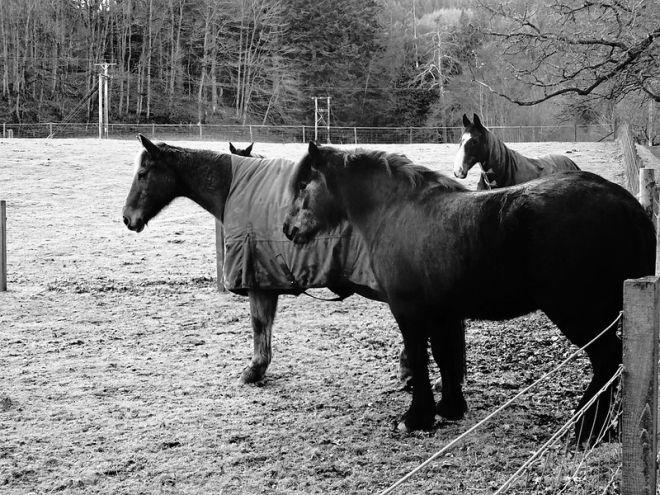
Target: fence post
point(641, 303)
point(304, 140)
point(220, 254)
point(3, 245)
point(656, 222)
point(646, 186)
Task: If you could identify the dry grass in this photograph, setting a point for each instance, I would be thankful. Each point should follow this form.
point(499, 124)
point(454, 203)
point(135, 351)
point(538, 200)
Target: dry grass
point(120, 361)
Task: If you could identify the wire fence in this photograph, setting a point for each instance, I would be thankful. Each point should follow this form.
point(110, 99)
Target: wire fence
point(560, 465)
point(303, 134)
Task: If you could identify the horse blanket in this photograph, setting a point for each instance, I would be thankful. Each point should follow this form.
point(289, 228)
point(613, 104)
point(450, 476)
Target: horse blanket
point(257, 255)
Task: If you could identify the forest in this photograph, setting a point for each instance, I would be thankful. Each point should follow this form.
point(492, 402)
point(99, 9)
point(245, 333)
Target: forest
point(381, 62)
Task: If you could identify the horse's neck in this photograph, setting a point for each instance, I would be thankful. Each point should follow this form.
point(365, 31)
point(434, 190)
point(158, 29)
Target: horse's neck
point(370, 201)
point(501, 163)
point(206, 182)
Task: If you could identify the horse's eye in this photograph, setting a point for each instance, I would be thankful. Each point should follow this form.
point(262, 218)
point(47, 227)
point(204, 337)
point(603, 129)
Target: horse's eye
point(302, 186)
point(141, 175)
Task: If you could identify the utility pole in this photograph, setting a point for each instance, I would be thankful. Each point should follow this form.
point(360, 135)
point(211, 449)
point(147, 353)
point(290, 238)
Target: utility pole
point(321, 116)
point(650, 128)
point(104, 102)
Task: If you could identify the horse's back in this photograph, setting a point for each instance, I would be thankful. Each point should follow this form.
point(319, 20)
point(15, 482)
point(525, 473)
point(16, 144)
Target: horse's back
point(553, 163)
point(555, 243)
point(578, 237)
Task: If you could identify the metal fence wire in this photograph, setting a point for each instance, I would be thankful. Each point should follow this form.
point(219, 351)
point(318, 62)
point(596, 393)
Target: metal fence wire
point(560, 465)
point(303, 133)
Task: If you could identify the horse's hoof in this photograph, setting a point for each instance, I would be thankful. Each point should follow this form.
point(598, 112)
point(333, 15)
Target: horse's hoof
point(403, 428)
point(410, 423)
point(451, 412)
point(407, 384)
point(250, 376)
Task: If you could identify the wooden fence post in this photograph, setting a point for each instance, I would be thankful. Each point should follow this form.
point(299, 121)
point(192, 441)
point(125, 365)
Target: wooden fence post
point(220, 254)
point(3, 245)
point(641, 306)
point(656, 222)
point(646, 186)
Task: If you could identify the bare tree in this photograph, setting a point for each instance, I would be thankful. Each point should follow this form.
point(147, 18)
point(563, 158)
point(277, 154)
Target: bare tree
point(259, 70)
point(606, 48)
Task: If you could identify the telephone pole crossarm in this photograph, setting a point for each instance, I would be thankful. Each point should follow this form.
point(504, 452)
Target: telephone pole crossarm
point(104, 101)
point(321, 116)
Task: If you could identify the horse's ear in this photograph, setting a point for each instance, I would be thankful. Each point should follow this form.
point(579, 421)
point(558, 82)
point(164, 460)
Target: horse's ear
point(151, 148)
point(313, 150)
point(232, 149)
point(249, 148)
point(466, 121)
point(477, 121)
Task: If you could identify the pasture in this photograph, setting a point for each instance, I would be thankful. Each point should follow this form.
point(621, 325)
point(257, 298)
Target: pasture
point(120, 360)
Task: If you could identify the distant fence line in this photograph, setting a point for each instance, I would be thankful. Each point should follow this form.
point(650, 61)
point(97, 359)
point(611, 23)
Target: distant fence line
point(304, 133)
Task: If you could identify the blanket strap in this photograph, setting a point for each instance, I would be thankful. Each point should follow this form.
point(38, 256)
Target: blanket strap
point(294, 283)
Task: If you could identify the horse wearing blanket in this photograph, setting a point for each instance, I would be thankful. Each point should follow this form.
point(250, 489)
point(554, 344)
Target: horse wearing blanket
point(500, 165)
point(250, 197)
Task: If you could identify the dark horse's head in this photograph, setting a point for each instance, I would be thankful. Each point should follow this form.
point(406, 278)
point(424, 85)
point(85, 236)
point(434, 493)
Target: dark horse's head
point(246, 152)
point(153, 188)
point(314, 208)
point(472, 149)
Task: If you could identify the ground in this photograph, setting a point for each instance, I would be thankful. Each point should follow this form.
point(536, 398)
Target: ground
point(120, 360)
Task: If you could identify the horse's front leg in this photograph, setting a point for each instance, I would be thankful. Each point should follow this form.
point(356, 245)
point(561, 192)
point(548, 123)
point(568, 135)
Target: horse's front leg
point(263, 305)
point(421, 414)
point(405, 373)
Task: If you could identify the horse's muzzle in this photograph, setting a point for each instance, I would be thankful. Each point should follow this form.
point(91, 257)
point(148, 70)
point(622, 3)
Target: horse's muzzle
point(134, 225)
point(293, 234)
point(460, 174)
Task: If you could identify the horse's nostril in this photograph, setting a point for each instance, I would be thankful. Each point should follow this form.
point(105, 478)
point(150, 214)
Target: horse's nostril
point(290, 233)
point(126, 221)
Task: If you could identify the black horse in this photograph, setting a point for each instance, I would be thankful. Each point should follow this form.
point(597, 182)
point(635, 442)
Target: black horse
point(563, 244)
point(164, 172)
point(500, 165)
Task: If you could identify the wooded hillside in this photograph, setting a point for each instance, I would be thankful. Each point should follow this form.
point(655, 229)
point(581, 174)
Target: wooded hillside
point(382, 62)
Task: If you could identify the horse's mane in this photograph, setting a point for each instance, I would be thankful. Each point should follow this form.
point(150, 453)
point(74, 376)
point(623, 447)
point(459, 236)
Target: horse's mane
point(398, 165)
point(185, 155)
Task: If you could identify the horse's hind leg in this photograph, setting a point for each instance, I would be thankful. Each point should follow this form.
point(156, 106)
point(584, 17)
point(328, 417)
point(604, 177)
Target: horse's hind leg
point(605, 356)
point(263, 305)
point(448, 347)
